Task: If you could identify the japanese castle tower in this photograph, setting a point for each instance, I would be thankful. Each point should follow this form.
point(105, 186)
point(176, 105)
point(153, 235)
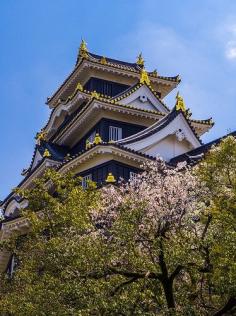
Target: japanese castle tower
point(107, 118)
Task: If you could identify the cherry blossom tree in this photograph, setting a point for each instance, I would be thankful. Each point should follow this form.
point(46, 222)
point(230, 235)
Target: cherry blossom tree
point(161, 244)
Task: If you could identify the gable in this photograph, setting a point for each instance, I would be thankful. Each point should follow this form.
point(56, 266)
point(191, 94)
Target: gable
point(168, 147)
point(168, 140)
point(37, 158)
point(144, 98)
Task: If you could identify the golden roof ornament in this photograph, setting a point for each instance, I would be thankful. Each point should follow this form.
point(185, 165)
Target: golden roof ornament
point(83, 50)
point(46, 153)
point(110, 178)
point(88, 144)
point(97, 139)
point(95, 95)
point(79, 87)
point(41, 136)
point(103, 60)
point(140, 60)
point(144, 77)
point(180, 105)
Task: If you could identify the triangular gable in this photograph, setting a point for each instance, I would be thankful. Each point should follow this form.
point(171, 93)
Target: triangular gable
point(142, 97)
point(36, 159)
point(170, 137)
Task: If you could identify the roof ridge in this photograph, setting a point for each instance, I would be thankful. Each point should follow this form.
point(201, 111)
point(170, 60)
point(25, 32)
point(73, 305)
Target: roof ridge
point(160, 124)
point(201, 149)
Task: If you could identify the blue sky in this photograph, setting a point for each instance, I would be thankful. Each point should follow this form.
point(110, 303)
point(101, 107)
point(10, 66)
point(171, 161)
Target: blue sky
point(39, 42)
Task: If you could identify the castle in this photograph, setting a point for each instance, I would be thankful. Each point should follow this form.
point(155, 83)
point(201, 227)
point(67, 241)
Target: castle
point(107, 118)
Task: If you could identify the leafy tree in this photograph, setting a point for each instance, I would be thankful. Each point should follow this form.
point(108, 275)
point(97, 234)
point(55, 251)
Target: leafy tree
point(218, 174)
point(59, 240)
point(162, 244)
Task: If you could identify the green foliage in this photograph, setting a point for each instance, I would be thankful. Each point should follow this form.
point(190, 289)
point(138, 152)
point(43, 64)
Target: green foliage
point(163, 244)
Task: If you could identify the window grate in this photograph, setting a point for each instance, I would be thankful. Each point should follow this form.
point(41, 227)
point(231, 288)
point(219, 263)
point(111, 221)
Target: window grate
point(133, 175)
point(85, 180)
point(115, 133)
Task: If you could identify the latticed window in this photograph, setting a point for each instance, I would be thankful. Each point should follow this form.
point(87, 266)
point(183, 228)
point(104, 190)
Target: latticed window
point(115, 133)
point(133, 175)
point(85, 180)
point(107, 88)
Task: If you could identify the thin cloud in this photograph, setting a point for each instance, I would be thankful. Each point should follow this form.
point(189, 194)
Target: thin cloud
point(197, 62)
point(229, 39)
point(231, 50)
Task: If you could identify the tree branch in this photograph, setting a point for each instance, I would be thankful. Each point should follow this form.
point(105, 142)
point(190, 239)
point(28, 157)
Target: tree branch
point(209, 218)
point(231, 303)
point(120, 286)
point(175, 272)
point(112, 271)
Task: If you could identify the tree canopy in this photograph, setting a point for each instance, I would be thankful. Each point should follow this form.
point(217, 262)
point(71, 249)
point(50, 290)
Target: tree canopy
point(161, 244)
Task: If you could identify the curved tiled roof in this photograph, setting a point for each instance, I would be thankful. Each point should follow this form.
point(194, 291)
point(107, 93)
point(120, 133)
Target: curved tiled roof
point(129, 66)
point(156, 127)
point(106, 99)
point(57, 152)
point(193, 156)
point(133, 67)
point(11, 195)
point(79, 111)
point(115, 61)
point(205, 122)
point(113, 144)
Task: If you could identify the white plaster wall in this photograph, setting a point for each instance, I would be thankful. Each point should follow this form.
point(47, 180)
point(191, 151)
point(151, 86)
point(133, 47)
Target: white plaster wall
point(143, 105)
point(165, 141)
point(151, 104)
point(168, 148)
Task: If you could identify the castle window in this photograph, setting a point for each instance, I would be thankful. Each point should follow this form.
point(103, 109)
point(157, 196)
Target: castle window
point(115, 133)
point(107, 88)
point(132, 175)
point(85, 180)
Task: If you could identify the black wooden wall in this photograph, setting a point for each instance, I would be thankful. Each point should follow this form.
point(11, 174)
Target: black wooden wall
point(102, 127)
point(118, 169)
point(105, 87)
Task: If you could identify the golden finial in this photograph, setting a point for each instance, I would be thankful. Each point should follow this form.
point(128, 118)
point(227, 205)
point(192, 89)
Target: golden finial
point(83, 50)
point(79, 86)
point(103, 60)
point(95, 95)
point(88, 144)
point(110, 178)
point(46, 153)
point(144, 77)
point(97, 139)
point(140, 60)
point(180, 105)
point(41, 136)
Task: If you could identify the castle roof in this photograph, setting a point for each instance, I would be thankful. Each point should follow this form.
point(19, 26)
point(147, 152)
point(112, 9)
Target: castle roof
point(156, 127)
point(193, 156)
point(131, 71)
